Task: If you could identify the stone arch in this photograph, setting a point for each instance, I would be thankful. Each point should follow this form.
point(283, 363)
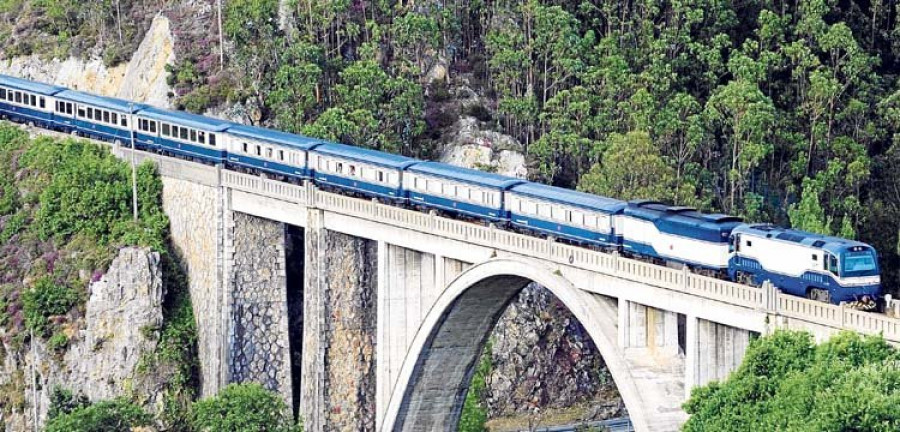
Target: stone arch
point(435, 375)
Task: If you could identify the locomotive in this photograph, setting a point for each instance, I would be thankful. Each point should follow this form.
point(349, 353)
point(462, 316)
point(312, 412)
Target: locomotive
point(823, 268)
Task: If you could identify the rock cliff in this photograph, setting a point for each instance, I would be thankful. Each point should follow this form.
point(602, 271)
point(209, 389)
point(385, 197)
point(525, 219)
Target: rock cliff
point(123, 312)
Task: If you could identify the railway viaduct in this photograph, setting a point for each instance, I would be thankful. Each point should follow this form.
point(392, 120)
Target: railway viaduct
point(366, 316)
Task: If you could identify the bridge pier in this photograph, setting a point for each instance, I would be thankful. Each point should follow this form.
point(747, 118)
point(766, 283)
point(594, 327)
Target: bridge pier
point(713, 351)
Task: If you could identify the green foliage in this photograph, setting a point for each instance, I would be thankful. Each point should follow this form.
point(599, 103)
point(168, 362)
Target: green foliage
point(474, 413)
point(46, 299)
point(115, 415)
point(63, 401)
point(87, 191)
point(242, 407)
point(788, 383)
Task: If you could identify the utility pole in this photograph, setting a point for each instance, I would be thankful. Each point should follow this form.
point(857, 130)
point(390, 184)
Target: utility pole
point(132, 125)
point(221, 38)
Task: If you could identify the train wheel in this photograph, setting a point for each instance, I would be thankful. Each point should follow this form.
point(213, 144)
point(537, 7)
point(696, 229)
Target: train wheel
point(818, 295)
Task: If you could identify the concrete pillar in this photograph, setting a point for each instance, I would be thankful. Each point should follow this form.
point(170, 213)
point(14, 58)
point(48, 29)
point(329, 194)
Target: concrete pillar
point(712, 351)
point(312, 394)
point(624, 323)
point(646, 327)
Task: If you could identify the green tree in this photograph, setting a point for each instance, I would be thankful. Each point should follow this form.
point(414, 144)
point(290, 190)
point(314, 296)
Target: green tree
point(115, 415)
point(242, 407)
point(788, 383)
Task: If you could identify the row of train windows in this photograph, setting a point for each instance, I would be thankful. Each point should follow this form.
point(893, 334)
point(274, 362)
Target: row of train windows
point(258, 150)
point(22, 98)
point(349, 169)
point(455, 191)
point(187, 134)
point(100, 115)
point(547, 211)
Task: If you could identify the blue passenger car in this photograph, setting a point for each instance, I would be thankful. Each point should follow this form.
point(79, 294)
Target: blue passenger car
point(458, 190)
point(364, 171)
point(182, 134)
point(679, 234)
point(269, 150)
point(565, 213)
point(104, 118)
point(28, 101)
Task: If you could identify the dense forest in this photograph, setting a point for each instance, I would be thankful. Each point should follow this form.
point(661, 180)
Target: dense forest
point(775, 111)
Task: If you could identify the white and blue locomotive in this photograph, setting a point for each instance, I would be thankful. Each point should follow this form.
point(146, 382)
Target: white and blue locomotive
point(826, 268)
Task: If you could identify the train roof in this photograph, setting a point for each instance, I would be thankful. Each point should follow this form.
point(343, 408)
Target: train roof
point(829, 243)
point(100, 101)
point(274, 136)
point(182, 118)
point(365, 155)
point(569, 196)
point(31, 86)
point(466, 175)
point(684, 221)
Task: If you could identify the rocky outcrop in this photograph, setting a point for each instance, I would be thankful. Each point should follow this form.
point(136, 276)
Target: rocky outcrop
point(543, 358)
point(143, 79)
point(470, 145)
point(122, 314)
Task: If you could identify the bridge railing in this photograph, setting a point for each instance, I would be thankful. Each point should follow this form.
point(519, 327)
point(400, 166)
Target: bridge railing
point(766, 299)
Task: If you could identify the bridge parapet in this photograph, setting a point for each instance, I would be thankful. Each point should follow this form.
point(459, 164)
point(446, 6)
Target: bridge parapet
point(767, 299)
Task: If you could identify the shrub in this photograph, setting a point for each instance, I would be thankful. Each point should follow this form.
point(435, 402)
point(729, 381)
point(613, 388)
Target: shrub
point(115, 415)
point(63, 401)
point(242, 407)
point(58, 342)
point(44, 300)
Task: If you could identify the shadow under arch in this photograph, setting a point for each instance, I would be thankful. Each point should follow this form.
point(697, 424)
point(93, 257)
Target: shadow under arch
point(435, 375)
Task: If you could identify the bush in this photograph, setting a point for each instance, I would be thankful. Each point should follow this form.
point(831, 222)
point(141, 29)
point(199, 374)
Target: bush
point(115, 415)
point(44, 300)
point(63, 401)
point(242, 407)
point(58, 342)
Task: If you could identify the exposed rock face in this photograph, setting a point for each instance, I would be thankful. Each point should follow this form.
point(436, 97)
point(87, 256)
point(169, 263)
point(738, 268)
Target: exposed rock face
point(143, 79)
point(122, 312)
point(472, 147)
point(124, 308)
point(543, 358)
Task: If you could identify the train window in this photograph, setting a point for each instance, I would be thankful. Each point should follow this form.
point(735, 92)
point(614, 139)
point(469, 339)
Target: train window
point(212, 140)
point(353, 170)
point(183, 133)
point(2, 93)
point(115, 118)
point(749, 243)
point(152, 127)
point(106, 116)
point(340, 168)
point(166, 129)
point(81, 112)
point(33, 100)
point(124, 121)
point(201, 136)
point(43, 102)
point(815, 257)
point(18, 97)
point(258, 150)
point(175, 131)
point(281, 155)
point(246, 148)
point(193, 135)
point(380, 176)
point(269, 152)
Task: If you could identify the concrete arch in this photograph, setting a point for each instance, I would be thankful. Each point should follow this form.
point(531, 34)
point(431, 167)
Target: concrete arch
point(434, 378)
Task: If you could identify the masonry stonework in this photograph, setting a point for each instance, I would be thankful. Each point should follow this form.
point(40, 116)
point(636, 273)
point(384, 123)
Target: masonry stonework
point(258, 332)
point(194, 212)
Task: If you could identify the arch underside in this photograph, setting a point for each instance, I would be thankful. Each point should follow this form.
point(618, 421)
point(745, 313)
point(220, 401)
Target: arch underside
point(434, 399)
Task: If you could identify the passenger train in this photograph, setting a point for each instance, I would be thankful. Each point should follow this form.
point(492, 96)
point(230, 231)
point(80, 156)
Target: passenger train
point(825, 268)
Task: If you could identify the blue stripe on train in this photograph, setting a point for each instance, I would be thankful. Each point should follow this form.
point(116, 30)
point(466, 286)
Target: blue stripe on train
point(494, 214)
point(798, 285)
point(23, 114)
point(201, 152)
point(273, 167)
point(564, 231)
point(101, 131)
point(366, 188)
